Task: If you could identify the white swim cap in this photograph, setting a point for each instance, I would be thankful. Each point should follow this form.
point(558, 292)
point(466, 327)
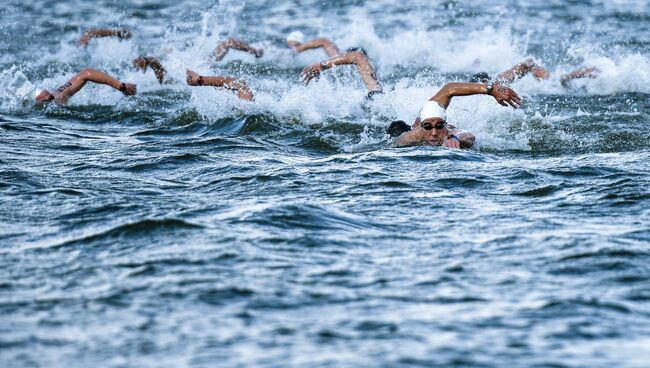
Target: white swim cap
point(432, 109)
point(37, 92)
point(296, 36)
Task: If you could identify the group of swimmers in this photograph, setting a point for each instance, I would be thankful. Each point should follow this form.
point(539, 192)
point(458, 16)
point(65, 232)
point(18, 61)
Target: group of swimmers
point(429, 127)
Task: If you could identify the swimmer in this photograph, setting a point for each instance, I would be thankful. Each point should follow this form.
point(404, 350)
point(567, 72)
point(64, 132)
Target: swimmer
point(64, 92)
point(516, 72)
point(431, 125)
point(142, 62)
point(296, 41)
point(539, 72)
point(237, 85)
point(356, 57)
point(586, 72)
point(123, 34)
point(231, 43)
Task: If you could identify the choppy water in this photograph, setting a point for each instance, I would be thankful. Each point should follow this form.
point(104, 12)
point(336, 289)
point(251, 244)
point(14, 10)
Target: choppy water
point(183, 227)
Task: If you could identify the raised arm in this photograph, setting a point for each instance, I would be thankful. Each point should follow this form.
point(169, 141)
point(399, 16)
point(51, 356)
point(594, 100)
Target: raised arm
point(357, 58)
point(586, 72)
point(231, 43)
point(328, 46)
point(237, 85)
point(504, 95)
point(123, 34)
point(146, 61)
point(521, 69)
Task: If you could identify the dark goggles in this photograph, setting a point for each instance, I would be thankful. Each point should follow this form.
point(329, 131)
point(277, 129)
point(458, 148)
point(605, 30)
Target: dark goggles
point(429, 126)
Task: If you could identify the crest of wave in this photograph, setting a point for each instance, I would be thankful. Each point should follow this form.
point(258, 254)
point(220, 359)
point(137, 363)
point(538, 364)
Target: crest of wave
point(16, 90)
point(445, 49)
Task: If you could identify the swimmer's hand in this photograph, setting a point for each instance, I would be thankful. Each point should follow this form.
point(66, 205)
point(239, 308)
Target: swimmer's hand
point(192, 77)
point(310, 72)
point(506, 96)
point(258, 53)
point(129, 89)
point(451, 142)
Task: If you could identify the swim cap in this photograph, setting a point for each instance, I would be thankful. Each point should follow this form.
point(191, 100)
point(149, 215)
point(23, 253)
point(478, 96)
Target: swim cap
point(296, 36)
point(432, 109)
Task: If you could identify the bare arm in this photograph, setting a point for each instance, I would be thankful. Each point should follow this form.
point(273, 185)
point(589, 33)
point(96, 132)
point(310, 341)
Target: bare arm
point(504, 95)
point(231, 43)
point(233, 84)
point(410, 138)
point(587, 72)
point(124, 34)
point(143, 62)
point(330, 48)
point(521, 69)
point(356, 58)
point(69, 89)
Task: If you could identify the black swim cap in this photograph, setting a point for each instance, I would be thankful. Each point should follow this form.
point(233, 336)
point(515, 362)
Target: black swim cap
point(396, 128)
point(360, 49)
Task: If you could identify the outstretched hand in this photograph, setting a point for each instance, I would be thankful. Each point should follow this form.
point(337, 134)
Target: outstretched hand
point(191, 77)
point(451, 143)
point(129, 89)
point(506, 96)
point(310, 72)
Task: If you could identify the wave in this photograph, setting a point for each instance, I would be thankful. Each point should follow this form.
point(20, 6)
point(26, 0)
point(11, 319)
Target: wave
point(139, 228)
point(413, 61)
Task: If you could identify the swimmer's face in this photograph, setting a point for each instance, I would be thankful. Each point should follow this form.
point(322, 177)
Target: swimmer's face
point(293, 43)
point(433, 127)
point(44, 96)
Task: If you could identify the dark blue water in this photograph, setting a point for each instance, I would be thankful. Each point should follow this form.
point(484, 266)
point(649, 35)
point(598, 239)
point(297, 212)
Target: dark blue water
point(183, 227)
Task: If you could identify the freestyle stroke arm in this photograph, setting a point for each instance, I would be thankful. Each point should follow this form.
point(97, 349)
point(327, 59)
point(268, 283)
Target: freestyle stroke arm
point(232, 43)
point(123, 34)
point(357, 58)
point(237, 85)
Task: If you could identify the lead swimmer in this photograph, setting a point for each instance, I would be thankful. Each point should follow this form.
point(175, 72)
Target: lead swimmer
point(431, 127)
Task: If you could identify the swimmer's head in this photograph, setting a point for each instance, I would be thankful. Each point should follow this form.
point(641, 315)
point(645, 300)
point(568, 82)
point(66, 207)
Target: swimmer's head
point(295, 38)
point(433, 112)
point(360, 49)
point(396, 128)
point(124, 33)
point(482, 77)
point(43, 96)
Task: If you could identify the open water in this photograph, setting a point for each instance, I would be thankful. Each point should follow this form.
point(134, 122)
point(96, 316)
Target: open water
point(184, 227)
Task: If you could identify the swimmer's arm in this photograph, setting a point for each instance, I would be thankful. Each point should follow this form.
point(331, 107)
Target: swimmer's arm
point(351, 58)
point(330, 48)
point(587, 72)
point(238, 85)
point(521, 69)
point(504, 95)
point(124, 34)
point(231, 43)
point(411, 138)
point(143, 62)
point(91, 75)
